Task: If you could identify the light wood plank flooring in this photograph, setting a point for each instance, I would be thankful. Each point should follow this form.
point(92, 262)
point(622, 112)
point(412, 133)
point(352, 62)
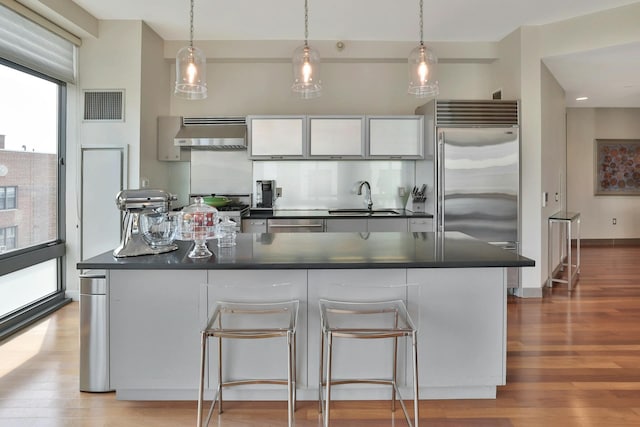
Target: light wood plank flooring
point(573, 360)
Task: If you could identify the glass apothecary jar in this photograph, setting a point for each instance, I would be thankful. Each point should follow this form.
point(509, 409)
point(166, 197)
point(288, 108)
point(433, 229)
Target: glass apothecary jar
point(226, 233)
point(198, 222)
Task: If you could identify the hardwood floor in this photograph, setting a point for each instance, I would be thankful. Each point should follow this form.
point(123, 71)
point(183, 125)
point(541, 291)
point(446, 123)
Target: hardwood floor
point(573, 360)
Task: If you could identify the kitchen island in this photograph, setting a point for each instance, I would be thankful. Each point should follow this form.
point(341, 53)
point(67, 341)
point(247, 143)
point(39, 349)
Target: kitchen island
point(455, 293)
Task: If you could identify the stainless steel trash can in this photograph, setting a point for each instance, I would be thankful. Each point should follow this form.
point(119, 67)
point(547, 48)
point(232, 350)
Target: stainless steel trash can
point(94, 332)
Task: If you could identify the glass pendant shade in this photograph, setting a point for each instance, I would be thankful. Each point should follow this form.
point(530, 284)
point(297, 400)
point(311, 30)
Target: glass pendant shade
point(191, 73)
point(422, 72)
point(306, 72)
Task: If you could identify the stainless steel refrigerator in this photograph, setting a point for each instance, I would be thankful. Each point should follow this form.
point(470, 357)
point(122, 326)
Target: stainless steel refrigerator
point(476, 156)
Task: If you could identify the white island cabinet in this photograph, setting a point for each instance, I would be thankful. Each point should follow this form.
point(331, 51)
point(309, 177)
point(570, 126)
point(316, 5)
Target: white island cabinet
point(454, 287)
point(154, 324)
point(156, 318)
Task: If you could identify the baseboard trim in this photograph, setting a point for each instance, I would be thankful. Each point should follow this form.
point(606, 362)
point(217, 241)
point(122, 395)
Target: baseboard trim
point(528, 292)
point(608, 242)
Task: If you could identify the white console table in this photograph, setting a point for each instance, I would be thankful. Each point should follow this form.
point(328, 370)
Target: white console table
point(565, 220)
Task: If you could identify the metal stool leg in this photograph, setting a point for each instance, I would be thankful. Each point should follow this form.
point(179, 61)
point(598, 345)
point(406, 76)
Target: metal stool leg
point(394, 376)
point(321, 380)
point(289, 379)
point(328, 395)
point(414, 344)
point(294, 372)
point(219, 375)
point(203, 358)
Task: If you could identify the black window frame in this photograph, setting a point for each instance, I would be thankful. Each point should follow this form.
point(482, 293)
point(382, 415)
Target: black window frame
point(52, 250)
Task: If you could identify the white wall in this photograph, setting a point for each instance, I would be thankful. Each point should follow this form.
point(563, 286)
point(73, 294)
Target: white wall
point(554, 156)
point(584, 126)
point(154, 102)
point(241, 88)
point(520, 54)
point(113, 61)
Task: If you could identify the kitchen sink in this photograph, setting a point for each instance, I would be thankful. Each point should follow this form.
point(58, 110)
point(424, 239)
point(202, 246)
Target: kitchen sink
point(363, 212)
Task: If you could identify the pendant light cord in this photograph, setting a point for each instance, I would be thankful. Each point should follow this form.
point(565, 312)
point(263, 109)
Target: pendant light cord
point(421, 24)
point(191, 27)
point(306, 22)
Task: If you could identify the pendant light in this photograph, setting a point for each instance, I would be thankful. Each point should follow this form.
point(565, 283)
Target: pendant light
point(306, 65)
point(191, 69)
point(422, 68)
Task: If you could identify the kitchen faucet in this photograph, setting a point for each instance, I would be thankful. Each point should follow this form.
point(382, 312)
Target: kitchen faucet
point(367, 197)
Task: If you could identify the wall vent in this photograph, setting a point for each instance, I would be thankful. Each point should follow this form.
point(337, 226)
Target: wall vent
point(104, 105)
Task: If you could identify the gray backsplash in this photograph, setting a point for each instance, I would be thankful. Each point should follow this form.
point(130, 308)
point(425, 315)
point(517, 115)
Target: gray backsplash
point(309, 184)
point(333, 184)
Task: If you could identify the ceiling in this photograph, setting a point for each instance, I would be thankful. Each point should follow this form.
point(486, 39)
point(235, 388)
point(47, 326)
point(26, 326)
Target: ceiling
point(397, 20)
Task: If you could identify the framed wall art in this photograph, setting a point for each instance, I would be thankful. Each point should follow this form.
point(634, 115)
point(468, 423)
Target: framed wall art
point(617, 167)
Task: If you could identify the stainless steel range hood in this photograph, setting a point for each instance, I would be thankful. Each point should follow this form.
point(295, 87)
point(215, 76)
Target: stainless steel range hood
point(212, 133)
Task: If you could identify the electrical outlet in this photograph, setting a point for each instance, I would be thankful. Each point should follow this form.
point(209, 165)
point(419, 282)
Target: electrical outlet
point(614, 221)
point(278, 191)
point(557, 197)
point(402, 191)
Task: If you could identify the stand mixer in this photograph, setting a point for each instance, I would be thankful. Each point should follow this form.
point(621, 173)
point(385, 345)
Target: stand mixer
point(134, 203)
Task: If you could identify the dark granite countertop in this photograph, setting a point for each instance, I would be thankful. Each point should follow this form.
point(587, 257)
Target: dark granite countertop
point(323, 213)
point(327, 251)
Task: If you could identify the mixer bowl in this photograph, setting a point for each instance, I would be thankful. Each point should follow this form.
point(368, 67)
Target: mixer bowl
point(158, 229)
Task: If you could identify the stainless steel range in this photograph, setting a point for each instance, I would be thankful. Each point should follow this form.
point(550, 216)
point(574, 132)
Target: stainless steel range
point(236, 209)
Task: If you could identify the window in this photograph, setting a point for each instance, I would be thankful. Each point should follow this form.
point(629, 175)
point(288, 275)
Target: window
point(8, 238)
point(8, 197)
point(37, 60)
point(30, 260)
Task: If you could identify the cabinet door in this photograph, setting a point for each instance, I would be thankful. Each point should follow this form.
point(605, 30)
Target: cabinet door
point(168, 127)
point(349, 225)
point(277, 137)
point(417, 225)
point(336, 137)
point(387, 224)
point(155, 329)
point(396, 137)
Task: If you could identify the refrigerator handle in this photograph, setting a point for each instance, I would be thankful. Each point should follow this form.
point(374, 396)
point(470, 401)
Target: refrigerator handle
point(440, 181)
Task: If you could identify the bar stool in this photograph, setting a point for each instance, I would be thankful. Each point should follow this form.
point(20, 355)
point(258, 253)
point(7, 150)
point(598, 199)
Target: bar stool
point(365, 320)
point(246, 320)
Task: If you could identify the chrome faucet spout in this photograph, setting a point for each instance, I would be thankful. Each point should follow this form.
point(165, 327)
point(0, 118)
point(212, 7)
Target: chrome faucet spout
point(367, 196)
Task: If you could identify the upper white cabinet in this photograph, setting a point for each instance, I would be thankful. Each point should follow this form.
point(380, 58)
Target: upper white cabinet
point(277, 137)
point(395, 137)
point(336, 137)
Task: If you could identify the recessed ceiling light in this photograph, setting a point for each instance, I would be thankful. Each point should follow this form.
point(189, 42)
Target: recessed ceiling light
point(582, 98)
